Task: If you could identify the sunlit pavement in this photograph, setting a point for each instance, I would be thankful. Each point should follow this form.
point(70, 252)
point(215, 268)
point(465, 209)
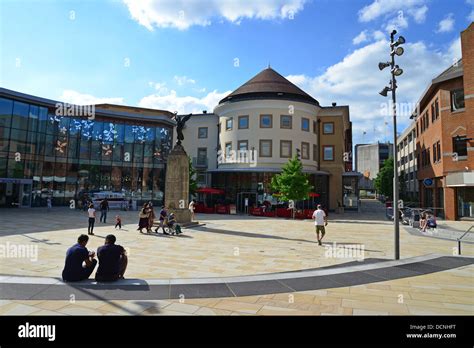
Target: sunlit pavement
point(240, 246)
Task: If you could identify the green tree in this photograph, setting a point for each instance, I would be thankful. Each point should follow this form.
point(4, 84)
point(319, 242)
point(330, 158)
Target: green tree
point(192, 178)
point(292, 184)
point(384, 181)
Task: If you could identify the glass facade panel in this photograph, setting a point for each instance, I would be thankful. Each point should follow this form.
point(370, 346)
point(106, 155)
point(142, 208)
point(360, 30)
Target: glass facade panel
point(6, 107)
point(20, 115)
point(70, 158)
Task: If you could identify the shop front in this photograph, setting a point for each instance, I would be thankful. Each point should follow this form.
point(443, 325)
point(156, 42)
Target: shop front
point(251, 191)
point(463, 183)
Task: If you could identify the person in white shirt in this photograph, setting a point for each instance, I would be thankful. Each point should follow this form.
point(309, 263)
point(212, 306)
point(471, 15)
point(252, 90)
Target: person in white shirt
point(91, 214)
point(191, 209)
point(320, 221)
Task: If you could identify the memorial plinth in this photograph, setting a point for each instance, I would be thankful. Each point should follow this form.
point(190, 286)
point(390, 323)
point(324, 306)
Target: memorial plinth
point(177, 184)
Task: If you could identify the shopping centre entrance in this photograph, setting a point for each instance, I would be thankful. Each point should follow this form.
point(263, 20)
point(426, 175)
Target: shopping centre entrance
point(15, 193)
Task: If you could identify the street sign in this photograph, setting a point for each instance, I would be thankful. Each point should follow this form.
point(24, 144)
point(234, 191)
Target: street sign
point(400, 204)
point(428, 182)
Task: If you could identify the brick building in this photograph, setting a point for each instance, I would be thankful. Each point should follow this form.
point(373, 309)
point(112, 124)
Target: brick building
point(444, 123)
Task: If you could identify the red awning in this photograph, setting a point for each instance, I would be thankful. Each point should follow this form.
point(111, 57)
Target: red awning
point(313, 194)
point(210, 190)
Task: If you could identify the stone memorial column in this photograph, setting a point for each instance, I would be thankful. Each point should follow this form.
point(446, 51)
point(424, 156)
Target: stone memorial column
point(177, 184)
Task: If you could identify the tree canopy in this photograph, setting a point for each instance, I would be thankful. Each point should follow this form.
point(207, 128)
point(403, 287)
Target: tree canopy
point(192, 178)
point(292, 183)
point(384, 181)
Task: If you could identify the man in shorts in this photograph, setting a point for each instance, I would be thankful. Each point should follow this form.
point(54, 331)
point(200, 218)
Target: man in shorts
point(320, 221)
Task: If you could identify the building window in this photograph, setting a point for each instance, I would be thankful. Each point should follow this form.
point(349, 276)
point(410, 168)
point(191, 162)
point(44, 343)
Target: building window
point(243, 145)
point(228, 149)
point(202, 156)
point(315, 153)
point(436, 109)
point(201, 179)
point(305, 150)
point(433, 115)
point(228, 124)
point(286, 122)
point(305, 124)
point(409, 137)
point(266, 121)
point(328, 128)
point(315, 127)
point(438, 151)
point(328, 152)
point(435, 153)
point(457, 99)
point(460, 146)
point(285, 149)
point(243, 122)
point(265, 148)
point(202, 132)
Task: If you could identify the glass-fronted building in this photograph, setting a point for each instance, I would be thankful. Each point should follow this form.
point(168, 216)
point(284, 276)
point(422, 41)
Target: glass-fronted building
point(67, 152)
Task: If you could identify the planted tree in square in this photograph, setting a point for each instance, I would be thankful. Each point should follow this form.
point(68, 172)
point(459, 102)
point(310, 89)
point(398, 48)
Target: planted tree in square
point(292, 184)
point(384, 181)
point(192, 178)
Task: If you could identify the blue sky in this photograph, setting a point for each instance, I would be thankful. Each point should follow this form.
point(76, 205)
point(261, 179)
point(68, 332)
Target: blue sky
point(182, 55)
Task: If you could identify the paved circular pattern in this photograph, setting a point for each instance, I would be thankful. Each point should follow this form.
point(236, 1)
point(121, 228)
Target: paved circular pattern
point(28, 288)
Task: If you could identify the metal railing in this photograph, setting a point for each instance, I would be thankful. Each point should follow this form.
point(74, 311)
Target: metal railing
point(460, 239)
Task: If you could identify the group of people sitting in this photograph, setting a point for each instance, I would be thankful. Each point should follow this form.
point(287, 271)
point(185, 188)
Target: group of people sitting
point(80, 262)
point(427, 220)
point(147, 218)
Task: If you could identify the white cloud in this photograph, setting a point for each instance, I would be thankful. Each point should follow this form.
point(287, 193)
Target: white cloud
point(419, 14)
point(356, 81)
point(446, 24)
point(397, 23)
point(470, 17)
point(77, 98)
point(182, 14)
point(395, 13)
point(378, 35)
point(182, 105)
point(362, 37)
point(366, 36)
point(183, 80)
point(384, 7)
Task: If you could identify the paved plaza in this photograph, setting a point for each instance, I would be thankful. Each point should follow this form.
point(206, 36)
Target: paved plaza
point(241, 250)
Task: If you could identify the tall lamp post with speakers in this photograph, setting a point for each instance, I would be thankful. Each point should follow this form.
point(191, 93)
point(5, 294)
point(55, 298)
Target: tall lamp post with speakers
point(395, 50)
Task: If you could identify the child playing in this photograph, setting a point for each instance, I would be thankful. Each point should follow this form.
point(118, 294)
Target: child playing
point(118, 222)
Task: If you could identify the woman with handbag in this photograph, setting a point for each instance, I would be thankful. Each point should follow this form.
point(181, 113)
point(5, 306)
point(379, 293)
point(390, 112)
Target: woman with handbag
point(144, 217)
point(151, 217)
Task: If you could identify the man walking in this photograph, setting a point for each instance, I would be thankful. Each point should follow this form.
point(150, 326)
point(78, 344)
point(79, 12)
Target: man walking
point(162, 219)
point(320, 221)
point(104, 208)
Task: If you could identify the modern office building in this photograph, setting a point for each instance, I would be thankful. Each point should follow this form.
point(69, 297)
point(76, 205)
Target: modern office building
point(69, 152)
point(256, 129)
point(369, 159)
point(445, 138)
point(407, 164)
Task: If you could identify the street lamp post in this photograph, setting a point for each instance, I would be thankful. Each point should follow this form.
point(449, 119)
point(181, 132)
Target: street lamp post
point(395, 49)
